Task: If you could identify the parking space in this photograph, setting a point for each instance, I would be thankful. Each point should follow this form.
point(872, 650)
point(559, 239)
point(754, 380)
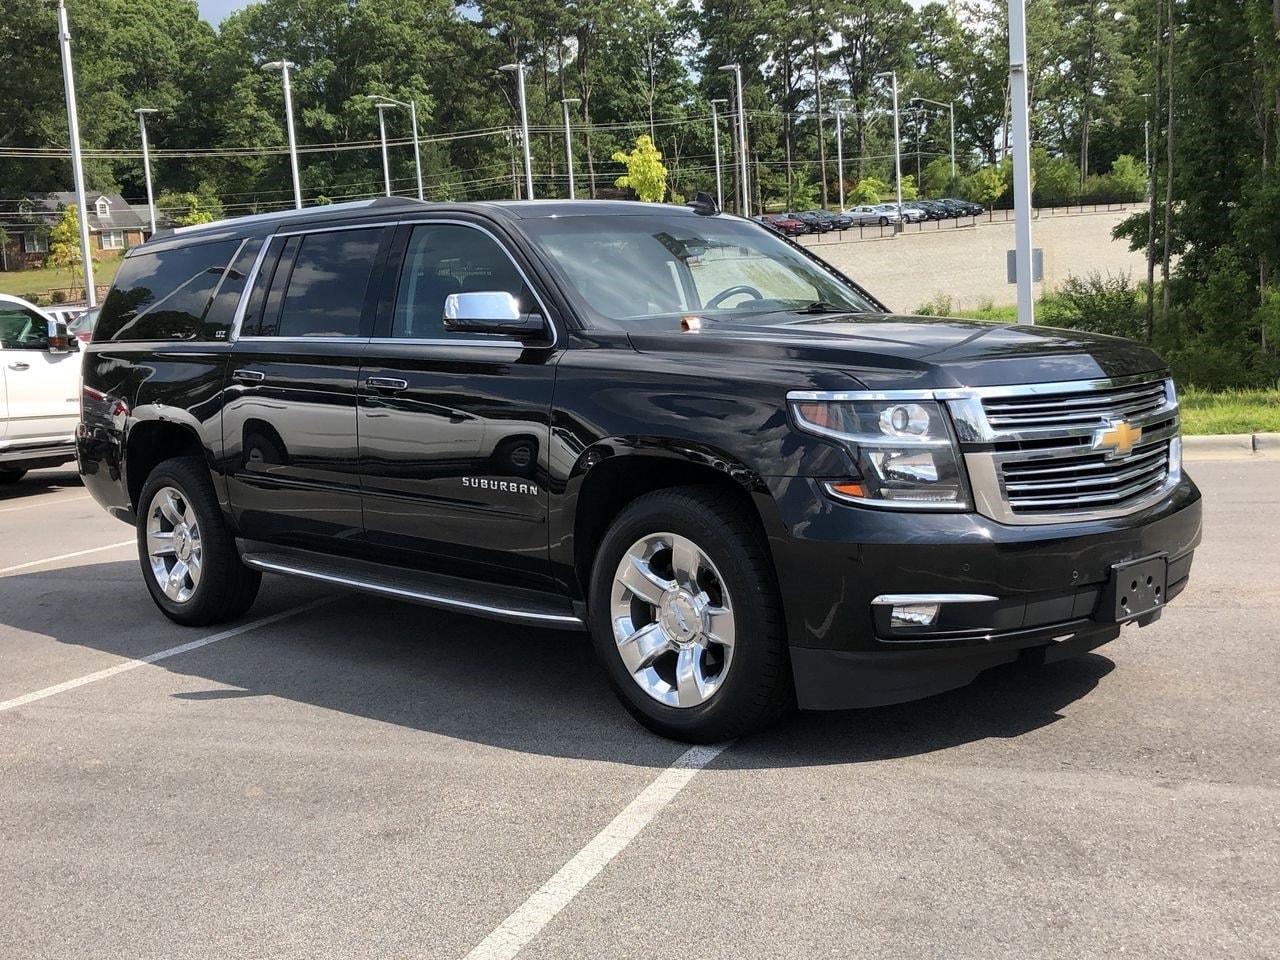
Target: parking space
point(362, 778)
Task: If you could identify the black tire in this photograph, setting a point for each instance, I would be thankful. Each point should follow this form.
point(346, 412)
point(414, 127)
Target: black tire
point(757, 689)
point(11, 476)
point(226, 587)
point(884, 221)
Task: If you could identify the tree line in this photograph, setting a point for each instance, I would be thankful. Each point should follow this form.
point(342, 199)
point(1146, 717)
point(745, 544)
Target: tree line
point(1175, 100)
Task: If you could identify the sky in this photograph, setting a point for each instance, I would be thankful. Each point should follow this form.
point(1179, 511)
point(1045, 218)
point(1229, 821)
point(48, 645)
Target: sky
point(215, 10)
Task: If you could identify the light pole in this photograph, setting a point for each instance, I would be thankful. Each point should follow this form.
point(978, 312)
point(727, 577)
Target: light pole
point(1021, 159)
point(77, 167)
point(412, 106)
point(146, 162)
point(382, 138)
point(897, 143)
point(568, 142)
point(518, 70)
point(715, 141)
point(840, 107)
point(284, 66)
point(952, 108)
point(736, 70)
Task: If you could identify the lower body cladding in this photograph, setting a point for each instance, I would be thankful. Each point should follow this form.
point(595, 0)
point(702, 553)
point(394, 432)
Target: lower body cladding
point(888, 606)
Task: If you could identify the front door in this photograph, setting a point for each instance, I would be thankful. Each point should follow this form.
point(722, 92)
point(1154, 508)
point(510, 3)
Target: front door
point(454, 427)
point(39, 390)
point(289, 421)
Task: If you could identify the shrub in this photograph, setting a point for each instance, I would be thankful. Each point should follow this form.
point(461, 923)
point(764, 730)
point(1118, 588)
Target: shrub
point(1097, 304)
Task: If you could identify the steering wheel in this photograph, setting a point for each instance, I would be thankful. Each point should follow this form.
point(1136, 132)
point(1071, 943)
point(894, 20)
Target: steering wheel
point(724, 295)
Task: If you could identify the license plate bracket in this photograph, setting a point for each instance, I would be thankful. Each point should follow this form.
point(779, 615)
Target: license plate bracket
point(1136, 588)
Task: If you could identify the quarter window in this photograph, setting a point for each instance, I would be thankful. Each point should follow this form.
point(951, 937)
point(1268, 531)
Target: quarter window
point(447, 258)
point(327, 286)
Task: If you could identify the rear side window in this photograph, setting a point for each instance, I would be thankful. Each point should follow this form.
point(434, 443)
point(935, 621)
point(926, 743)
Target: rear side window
point(164, 295)
point(327, 285)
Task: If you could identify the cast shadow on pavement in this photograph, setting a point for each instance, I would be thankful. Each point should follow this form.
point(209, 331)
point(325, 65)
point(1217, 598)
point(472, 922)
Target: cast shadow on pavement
point(523, 689)
point(39, 482)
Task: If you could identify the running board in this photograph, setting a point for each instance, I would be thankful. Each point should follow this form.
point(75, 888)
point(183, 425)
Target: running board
point(513, 604)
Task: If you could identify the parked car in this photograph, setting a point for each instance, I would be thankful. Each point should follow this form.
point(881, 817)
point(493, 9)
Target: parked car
point(910, 212)
point(82, 326)
point(963, 208)
point(752, 483)
point(835, 221)
point(935, 209)
point(872, 214)
point(814, 221)
point(39, 390)
point(64, 313)
point(784, 223)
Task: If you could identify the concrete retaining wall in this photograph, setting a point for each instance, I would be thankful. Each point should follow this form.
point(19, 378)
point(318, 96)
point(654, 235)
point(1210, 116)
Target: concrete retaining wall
point(968, 264)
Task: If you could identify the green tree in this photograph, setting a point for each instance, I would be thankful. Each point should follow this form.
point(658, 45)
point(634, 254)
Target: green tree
point(985, 185)
point(869, 190)
point(645, 175)
point(190, 208)
point(64, 243)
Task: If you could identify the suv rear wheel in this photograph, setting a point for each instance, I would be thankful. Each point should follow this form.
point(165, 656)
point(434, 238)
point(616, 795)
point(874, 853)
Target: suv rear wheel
point(686, 617)
point(188, 556)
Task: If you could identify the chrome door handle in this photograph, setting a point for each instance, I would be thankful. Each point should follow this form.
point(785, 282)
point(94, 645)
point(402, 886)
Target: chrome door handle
point(20, 365)
point(249, 376)
point(391, 384)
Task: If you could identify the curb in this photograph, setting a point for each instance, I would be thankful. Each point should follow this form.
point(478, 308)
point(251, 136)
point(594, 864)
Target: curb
point(1232, 446)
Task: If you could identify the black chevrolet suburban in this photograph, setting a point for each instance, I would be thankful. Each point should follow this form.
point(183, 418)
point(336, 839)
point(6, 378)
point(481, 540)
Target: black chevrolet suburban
point(754, 485)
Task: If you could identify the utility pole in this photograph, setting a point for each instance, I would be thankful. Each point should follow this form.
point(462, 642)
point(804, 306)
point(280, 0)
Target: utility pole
point(1021, 159)
point(284, 66)
point(146, 163)
point(736, 70)
point(518, 70)
point(568, 142)
point(897, 143)
point(382, 137)
point(412, 107)
point(715, 140)
point(77, 166)
point(840, 154)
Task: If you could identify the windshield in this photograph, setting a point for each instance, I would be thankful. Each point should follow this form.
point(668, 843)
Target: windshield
point(636, 272)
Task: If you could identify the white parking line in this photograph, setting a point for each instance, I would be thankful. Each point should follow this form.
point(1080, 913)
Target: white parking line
point(65, 556)
point(44, 503)
point(88, 678)
point(528, 920)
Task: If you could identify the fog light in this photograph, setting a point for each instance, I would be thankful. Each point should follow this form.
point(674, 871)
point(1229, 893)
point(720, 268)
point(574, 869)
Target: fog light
point(914, 614)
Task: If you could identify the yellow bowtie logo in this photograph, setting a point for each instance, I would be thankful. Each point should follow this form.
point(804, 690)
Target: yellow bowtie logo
point(1117, 438)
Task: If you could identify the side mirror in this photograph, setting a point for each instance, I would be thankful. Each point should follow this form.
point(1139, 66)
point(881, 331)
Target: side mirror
point(493, 312)
point(59, 341)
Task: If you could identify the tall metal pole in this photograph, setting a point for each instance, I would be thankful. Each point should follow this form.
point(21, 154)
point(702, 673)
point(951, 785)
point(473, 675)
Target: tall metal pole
point(736, 69)
point(568, 142)
point(1021, 159)
point(518, 70)
point(146, 163)
point(840, 157)
point(715, 141)
point(382, 136)
point(417, 151)
point(897, 141)
point(952, 107)
point(284, 66)
point(77, 166)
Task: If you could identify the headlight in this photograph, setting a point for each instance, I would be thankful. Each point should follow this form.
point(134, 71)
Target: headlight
point(904, 451)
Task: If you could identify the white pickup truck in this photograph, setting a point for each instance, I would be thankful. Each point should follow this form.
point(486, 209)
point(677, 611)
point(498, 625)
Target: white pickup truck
point(39, 390)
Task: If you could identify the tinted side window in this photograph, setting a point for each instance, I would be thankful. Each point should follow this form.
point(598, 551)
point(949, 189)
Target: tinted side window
point(446, 258)
point(217, 320)
point(164, 295)
point(22, 329)
point(325, 295)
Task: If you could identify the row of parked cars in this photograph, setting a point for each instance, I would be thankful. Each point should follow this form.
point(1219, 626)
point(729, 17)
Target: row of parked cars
point(794, 224)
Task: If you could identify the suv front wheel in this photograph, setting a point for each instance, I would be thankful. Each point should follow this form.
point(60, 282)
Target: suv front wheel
point(686, 617)
point(188, 556)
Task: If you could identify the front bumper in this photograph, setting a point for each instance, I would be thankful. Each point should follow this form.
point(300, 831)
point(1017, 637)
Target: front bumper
point(1048, 582)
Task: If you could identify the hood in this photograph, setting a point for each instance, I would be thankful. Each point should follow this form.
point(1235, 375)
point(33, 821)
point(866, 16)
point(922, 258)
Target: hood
point(894, 351)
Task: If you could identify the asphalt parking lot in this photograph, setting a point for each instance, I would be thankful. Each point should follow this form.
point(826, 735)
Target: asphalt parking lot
point(362, 778)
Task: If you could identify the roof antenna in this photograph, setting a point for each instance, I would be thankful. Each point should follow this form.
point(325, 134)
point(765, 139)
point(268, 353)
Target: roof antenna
point(703, 204)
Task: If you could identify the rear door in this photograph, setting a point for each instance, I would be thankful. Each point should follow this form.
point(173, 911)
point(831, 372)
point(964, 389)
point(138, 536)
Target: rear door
point(289, 422)
point(41, 390)
point(454, 427)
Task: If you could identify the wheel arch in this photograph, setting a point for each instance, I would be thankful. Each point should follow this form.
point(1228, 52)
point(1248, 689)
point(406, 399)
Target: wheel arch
point(150, 441)
point(612, 473)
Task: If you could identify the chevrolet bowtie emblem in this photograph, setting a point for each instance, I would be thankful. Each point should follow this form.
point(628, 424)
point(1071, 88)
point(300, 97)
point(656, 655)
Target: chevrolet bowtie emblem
point(1117, 438)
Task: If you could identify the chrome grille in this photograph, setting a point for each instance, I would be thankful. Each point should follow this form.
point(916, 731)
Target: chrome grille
point(1042, 453)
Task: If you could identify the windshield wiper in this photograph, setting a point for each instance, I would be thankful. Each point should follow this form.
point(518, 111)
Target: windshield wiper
point(821, 306)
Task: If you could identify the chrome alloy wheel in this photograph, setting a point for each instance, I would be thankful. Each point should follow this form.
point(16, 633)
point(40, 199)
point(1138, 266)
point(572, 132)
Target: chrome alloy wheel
point(672, 620)
point(173, 544)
